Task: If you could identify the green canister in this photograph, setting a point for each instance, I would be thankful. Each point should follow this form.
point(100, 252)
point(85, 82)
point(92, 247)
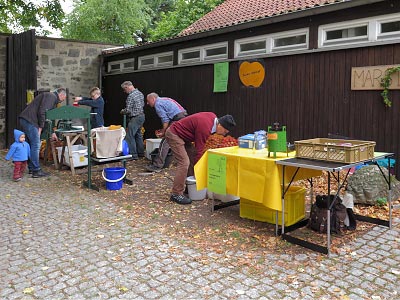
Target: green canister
point(276, 139)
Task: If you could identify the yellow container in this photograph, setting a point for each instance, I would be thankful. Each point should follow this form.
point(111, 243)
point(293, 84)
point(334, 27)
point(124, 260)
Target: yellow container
point(294, 208)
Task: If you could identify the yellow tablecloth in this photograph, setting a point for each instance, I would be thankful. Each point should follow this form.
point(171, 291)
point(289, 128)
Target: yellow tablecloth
point(252, 175)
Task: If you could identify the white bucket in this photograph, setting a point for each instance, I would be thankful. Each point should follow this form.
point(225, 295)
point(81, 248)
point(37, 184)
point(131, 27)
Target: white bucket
point(194, 194)
point(222, 198)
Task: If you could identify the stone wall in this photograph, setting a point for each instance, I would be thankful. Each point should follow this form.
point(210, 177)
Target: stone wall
point(67, 63)
point(60, 63)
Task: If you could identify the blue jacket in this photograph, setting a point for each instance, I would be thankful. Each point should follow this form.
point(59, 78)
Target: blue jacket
point(97, 106)
point(19, 151)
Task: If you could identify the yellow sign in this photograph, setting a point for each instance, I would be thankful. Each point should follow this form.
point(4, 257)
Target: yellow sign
point(30, 95)
point(369, 78)
point(251, 73)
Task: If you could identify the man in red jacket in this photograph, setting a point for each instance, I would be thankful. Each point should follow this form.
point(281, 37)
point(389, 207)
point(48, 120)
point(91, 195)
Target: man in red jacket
point(180, 135)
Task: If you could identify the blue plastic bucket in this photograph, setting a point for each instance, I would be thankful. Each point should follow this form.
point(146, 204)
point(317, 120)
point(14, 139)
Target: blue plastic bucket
point(114, 178)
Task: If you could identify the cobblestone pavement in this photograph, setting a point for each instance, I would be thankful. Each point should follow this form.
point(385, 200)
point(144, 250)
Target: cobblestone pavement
point(66, 244)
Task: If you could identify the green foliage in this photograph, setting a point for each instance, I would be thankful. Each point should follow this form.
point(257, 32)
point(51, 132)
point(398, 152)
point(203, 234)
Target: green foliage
point(385, 83)
point(381, 201)
point(19, 15)
point(184, 13)
point(111, 21)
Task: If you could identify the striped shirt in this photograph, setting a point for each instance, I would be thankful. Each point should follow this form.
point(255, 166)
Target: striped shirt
point(134, 103)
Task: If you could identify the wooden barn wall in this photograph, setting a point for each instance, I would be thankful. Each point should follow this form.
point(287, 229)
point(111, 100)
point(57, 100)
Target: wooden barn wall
point(309, 93)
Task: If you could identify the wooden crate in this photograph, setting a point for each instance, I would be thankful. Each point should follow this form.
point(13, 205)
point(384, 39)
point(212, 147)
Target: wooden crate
point(335, 150)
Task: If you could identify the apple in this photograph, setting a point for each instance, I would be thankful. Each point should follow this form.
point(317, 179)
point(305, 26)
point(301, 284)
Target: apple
point(251, 73)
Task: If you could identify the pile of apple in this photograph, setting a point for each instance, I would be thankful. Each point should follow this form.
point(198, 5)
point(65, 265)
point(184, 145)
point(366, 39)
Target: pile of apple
point(220, 141)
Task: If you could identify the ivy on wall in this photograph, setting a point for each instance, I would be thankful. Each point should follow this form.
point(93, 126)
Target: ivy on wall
point(385, 83)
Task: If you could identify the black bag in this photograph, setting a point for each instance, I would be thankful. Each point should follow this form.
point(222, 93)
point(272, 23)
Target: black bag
point(318, 215)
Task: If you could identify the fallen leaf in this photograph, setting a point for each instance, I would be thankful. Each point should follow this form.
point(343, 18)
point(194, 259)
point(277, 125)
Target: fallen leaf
point(28, 290)
point(123, 289)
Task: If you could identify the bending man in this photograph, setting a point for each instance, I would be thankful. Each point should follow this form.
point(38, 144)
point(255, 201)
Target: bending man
point(169, 111)
point(180, 136)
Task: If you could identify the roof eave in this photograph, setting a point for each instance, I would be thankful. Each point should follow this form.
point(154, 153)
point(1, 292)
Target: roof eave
point(251, 24)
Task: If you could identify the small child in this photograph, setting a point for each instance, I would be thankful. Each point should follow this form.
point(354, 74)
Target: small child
point(20, 152)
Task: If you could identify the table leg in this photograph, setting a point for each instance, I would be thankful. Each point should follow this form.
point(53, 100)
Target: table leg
point(54, 152)
point(71, 160)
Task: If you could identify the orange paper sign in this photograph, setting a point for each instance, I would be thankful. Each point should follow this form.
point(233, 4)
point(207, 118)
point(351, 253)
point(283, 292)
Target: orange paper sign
point(272, 136)
point(251, 73)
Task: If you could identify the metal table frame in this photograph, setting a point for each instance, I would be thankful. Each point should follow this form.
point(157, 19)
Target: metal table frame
point(122, 158)
point(331, 168)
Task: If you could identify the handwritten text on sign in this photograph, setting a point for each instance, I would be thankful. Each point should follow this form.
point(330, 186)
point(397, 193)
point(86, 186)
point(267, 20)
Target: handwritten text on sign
point(216, 179)
point(369, 78)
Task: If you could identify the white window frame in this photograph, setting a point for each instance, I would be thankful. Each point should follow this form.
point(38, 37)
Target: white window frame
point(164, 64)
point(181, 52)
point(111, 64)
point(121, 67)
point(373, 33)
point(387, 19)
point(287, 34)
point(149, 66)
point(322, 31)
point(206, 57)
point(256, 39)
point(129, 60)
point(269, 43)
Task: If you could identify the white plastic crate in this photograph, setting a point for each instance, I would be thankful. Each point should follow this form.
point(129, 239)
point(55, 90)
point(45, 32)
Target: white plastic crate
point(151, 144)
point(79, 155)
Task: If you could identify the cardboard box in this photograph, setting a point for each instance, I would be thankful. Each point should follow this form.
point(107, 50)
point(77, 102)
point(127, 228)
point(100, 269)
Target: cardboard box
point(79, 155)
point(247, 141)
point(151, 144)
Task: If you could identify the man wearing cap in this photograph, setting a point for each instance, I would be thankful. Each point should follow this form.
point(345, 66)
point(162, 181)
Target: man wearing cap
point(181, 134)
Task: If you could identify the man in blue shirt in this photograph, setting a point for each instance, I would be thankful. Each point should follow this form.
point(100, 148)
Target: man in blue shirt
point(134, 112)
point(169, 111)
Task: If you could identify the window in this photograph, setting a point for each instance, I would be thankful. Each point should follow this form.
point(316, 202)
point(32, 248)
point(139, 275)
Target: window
point(121, 65)
point(388, 27)
point(156, 60)
point(291, 40)
point(347, 33)
point(360, 31)
point(272, 43)
point(189, 55)
point(146, 62)
point(217, 51)
point(128, 65)
point(114, 67)
point(252, 46)
point(165, 59)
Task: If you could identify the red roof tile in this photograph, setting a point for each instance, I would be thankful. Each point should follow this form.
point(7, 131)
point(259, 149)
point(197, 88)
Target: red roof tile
point(232, 12)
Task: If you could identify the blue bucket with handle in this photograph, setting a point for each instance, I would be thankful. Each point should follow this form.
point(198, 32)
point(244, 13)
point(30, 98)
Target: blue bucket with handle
point(114, 178)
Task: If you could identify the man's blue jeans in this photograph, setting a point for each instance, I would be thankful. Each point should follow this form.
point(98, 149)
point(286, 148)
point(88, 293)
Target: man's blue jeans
point(134, 136)
point(33, 139)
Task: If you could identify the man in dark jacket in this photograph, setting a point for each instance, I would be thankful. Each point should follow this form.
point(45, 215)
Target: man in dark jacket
point(32, 120)
point(96, 102)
